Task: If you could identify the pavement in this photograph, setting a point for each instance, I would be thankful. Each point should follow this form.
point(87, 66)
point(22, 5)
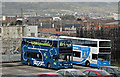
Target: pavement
point(17, 69)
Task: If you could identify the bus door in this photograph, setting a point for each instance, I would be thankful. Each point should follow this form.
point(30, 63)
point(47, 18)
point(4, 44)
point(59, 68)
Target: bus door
point(52, 56)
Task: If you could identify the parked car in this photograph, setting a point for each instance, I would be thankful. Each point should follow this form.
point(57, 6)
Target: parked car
point(97, 73)
point(71, 73)
point(49, 75)
point(112, 70)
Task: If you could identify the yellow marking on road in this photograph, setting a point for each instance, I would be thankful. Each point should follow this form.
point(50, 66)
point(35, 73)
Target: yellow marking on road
point(25, 71)
point(4, 68)
point(19, 70)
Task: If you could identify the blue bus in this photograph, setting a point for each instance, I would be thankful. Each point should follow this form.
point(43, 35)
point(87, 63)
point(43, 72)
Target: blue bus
point(90, 52)
point(45, 52)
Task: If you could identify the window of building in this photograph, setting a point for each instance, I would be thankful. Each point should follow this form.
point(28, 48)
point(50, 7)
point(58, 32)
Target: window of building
point(32, 34)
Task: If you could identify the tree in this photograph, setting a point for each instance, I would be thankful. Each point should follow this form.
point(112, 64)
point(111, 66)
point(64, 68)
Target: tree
point(12, 23)
point(19, 22)
point(68, 17)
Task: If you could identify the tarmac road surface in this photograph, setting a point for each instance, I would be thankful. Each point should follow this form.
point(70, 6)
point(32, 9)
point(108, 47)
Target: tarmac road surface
point(18, 69)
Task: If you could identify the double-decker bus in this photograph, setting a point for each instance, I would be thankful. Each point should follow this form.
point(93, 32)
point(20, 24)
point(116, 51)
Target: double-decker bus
point(90, 52)
point(44, 52)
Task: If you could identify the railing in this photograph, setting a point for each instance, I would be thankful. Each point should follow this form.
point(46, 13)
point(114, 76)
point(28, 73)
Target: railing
point(10, 50)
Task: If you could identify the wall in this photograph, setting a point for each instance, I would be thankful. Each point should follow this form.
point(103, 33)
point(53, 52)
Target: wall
point(11, 32)
point(31, 31)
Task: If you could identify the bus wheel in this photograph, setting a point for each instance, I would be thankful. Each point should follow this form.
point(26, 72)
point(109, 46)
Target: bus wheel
point(48, 65)
point(28, 62)
point(87, 63)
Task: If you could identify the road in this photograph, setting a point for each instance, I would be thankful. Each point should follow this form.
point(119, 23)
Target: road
point(19, 69)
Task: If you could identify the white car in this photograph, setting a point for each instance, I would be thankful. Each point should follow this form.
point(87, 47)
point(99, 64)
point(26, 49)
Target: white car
point(71, 73)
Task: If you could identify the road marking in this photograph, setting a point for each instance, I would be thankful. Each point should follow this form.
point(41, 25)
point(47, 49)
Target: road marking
point(4, 68)
point(25, 71)
point(19, 70)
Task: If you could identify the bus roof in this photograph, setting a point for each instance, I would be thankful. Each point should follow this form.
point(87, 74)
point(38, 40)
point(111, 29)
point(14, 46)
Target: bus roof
point(84, 38)
point(43, 38)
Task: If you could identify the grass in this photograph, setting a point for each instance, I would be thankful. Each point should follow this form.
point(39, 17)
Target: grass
point(118, 65)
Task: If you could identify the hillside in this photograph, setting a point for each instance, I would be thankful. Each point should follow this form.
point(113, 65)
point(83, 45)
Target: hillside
point(14, 8)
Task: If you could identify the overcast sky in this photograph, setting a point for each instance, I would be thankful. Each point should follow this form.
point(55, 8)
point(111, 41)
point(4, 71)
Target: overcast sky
point(60, 0)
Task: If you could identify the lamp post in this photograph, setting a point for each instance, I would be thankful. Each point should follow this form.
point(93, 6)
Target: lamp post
point(41, 28)
point(60, 26)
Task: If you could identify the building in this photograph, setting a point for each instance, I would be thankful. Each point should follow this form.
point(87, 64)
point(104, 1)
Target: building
point(17, 32)
point(116, 16)
point(11, 32)
point(31, 31)
point(10, 37)
point(8, 19)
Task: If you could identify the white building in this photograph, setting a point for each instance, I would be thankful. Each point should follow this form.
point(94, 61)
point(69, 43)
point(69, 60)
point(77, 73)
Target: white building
point(56, 18)
point(31, 31)
point(116, 16)
point(17, 32)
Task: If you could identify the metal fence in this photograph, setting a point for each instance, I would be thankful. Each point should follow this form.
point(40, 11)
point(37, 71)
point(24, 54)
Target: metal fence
point(10, 50)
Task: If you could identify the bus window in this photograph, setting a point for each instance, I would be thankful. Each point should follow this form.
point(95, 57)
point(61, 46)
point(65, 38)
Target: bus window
point(65, 50)
point(62, 44)
point(80, 42)
point(65, 57)
point(105, 57)
point(74, 41)
point(39, 56)
point(104, 43)
point(25, 54)
point(77, 54)
point(54, 43)
point(29, 41)
point(103, 50)
point(65, 44)
point(87, 43)
point(24, 41)
point(94, 56)
point(34, 55)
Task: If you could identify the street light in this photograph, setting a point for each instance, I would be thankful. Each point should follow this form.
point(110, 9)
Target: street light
point(41, 28)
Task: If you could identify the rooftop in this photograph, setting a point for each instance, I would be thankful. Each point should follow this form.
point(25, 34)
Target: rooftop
point(112, 23)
